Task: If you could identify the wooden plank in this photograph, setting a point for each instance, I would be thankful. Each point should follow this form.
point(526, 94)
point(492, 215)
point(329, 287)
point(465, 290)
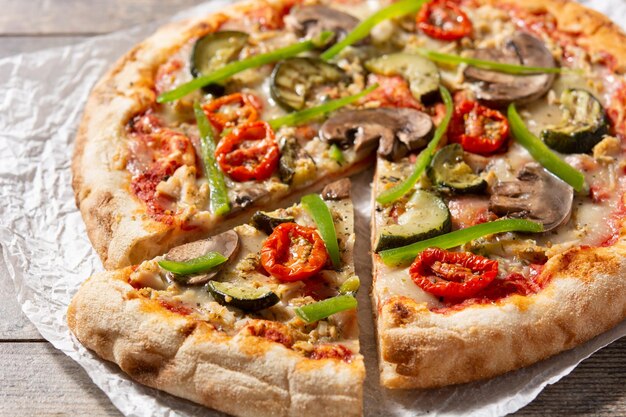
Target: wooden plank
point(38, 380)
point(43, 17)
point(11, 45)
point(597, 387)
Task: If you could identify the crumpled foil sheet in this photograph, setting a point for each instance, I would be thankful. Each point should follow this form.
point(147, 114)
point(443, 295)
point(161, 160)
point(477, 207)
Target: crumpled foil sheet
point(45, 250)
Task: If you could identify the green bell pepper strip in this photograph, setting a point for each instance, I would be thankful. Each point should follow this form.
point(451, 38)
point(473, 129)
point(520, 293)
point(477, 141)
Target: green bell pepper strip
point(236, 67)
point(406, 254)
point(320, 310)
point(335, 154)
point(542, 153)
point(514, 69)
point(219, 203)
point(195, 265)
point(303, 116)
point(350, 286)
point(318, 209)
point(423, 159)
point(395, 10)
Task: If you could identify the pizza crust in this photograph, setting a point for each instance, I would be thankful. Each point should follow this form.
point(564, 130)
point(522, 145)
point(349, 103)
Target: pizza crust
point(241, 375)
point(594, 31)
point(118, 227)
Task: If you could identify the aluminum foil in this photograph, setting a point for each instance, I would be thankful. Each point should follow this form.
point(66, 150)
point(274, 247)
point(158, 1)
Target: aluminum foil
point(45, 250)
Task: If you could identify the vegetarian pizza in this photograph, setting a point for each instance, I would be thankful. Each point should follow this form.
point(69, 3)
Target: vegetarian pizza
point(496, 129)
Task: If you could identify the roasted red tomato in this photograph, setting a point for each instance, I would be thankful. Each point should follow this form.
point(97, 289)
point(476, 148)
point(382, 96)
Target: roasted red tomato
point(248, 152)
point(232, 110)
point(293, 252)
point(444, 20)
point(477, 128)
point(455, 275)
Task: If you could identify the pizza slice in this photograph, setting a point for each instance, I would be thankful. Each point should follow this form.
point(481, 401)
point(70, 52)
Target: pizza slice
point(146, 179)
point(259, 320)
point(500, 243)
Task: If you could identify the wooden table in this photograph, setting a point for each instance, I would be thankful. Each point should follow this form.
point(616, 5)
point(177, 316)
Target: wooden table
point(35, 379)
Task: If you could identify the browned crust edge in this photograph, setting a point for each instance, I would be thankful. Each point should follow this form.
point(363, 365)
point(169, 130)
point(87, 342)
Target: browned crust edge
point(241, 375)
point(596, 32)
point(119, 232)
point(585, 297)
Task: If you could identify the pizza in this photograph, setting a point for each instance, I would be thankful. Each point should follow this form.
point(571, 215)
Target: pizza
point(232, 322)
point(497, 133)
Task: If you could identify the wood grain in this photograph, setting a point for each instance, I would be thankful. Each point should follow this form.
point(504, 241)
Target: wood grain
point(45, 17)
point(38, 380)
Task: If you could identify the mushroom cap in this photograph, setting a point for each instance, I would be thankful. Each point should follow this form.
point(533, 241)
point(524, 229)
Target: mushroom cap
point(337, 190)
point(396, 131)
point(499, 89)
point(535, 195)
point(226, 243)
point(311, 21)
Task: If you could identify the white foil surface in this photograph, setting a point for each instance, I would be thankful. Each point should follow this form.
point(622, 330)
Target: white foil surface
point(45, 250)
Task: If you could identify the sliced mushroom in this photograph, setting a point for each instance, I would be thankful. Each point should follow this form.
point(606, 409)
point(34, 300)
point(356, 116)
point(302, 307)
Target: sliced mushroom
point(246, 195)
point(311, 21)
point(499, 89)
point(226, 243)
point(337, 190)
point(535, 195)
point(396, 131)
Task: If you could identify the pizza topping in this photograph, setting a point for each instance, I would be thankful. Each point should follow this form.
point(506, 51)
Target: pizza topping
point(213, 51)
point(584, 123)
point(219, 203)
point(267, 223)
point(350, 286)
point(248, 152)
point(242, 296)
point(444, 20)
point(270, 330)
point(314, 113)
point(363, 29)
point(542, 153)
point(192, 266)
point(187, 261)
point(311, 21)
point(299, 82)
point(422, 74)
point(452, 274)
point(232, 110)
point(323, 218)
point(319, 310)
point(424, 216)
point(236, 67)
point(450, 172)
point(423, 160)
point(405, 254)
point(500, 89)
point(293, 252)
point(536, 195)
point(395, 131)
point(477, 128)
point(328, 351)
point(337, 190)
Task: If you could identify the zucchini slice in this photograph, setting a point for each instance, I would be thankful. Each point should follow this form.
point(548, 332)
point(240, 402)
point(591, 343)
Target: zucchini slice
point(426, 216)
point(421, 74)
point(449, 171)
point(213, 51)
point(295, 81)
point(583, 125)
point(245, 298)
point(263, 221)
